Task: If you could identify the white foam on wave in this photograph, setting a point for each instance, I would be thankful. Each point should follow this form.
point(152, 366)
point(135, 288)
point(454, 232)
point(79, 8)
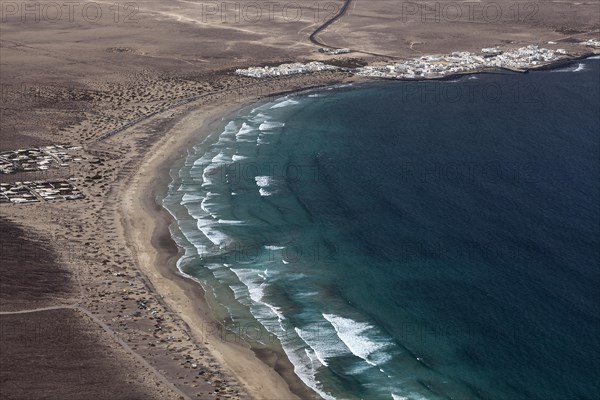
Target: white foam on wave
point(228, 133)
point(267, 125)
point(237, 157)
point(265, 274)
point(273, 247)
point(245, 129)
point(282, 257)
point(260, 117)
point(311, 353)
point(208, 228)
point(266, 185)
point(202, 160)
point(191, 198)
point(221, 158)
point(209, 174)
point(230, 127)
point(207, 202)
point(311, 356)
point(267, 133)
point(205, 159)
point(215, 266)
point(246, 133)
point(230, 222)
point(264, 192)
point(309, 294)
point(255, 283)
point(263, 181)
point(359, 338)
point(285, 103)
point(306, 361)
point(322, 341)
point(304, 370)
point(580, 67)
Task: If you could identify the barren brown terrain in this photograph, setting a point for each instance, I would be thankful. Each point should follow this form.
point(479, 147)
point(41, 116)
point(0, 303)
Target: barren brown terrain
point(405, 29)
point(95, 278)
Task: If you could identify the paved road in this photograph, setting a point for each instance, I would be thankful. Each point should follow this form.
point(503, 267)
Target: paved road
point(313, 36)
point(326, 24)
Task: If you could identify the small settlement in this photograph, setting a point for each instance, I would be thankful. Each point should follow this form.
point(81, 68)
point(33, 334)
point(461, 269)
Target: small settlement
point(40, 159)
point(31, 192)
point(431, 66)
point(285, 69)
point(463, 62)
point(594, 43)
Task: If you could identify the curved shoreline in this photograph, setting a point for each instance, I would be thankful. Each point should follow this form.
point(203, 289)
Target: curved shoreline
point(157, 260)
point(263, 373)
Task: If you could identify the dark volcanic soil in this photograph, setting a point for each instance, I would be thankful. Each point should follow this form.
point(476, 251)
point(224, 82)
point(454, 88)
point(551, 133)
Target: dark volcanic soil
point(30, 276)
point(53, 354)
point(61, 354)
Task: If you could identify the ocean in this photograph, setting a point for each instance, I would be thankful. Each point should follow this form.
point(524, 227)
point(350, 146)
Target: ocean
point(408, 240)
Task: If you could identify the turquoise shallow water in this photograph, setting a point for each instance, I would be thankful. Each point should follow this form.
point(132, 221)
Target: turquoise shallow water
point(406, 240)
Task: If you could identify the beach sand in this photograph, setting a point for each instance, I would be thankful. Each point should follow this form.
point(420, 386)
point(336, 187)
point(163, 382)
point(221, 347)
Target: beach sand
point(238, 370)
point(145, 224)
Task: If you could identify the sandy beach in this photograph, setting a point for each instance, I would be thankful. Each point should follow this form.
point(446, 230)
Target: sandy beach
point(145, 225)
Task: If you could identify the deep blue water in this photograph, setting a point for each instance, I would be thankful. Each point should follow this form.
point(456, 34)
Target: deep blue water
point(432, 240)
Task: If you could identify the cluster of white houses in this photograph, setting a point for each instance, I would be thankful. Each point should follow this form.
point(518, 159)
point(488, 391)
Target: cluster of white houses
point(285, 69)
point(333, 52)
point(463, 62)
point(31, 192)
point(40, 159)
point(432, 66)
point(592, 43)
point(37, 159)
